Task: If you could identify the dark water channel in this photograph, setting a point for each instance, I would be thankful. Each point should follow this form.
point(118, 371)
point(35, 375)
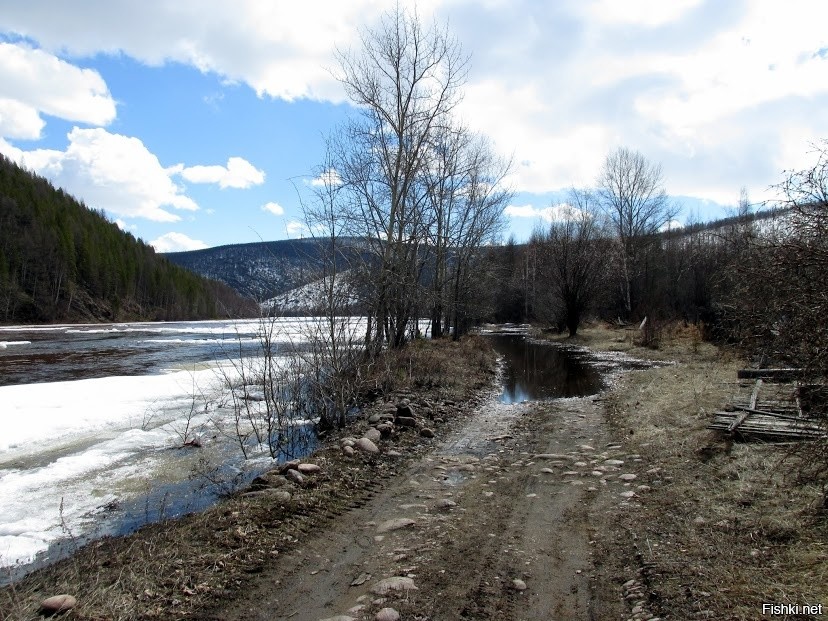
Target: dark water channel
point(539, 371)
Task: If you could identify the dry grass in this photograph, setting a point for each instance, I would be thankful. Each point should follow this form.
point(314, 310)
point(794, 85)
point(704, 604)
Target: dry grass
point(725, 527)
point(180, 568)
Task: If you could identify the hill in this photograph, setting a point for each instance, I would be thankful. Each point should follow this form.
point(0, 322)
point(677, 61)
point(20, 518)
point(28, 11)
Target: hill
point(263, 270)
point(61, 261)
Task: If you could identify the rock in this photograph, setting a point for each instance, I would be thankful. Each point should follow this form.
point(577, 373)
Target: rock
point(393, 453)
point(629, 494)
point(280, 495)
point(57, 604)
point(385, 429)
point(395, 524)
point(348, 451)
point(288, 465)
point(271, 478)
point(339, 618)
point(361, 579)
point(374, 419)
point(547, 471)
point(397, 583)
point(309, 468)
point(614, 462)
point(627, 477)
point(374, 435)
point(518, 584)
point(294, 476)
point(426, 432)
point(366, 446)
point(387, 614)
point(445, 503)
point(404, 408)
point(405, 421)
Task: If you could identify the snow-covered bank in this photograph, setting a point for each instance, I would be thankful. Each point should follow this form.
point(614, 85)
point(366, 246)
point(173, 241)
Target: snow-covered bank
point(68, 450)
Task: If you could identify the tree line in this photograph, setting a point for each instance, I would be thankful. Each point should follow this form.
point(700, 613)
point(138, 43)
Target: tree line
point(61, 261)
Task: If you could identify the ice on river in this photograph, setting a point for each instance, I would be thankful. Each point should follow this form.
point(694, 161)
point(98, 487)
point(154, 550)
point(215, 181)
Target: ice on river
point(80, 444)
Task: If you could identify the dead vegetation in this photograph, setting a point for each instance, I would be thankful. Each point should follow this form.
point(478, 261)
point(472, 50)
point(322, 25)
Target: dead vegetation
point(724, 526)
point(181, 568)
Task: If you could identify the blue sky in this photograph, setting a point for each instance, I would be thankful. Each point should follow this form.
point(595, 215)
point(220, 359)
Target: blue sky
point(199, 123)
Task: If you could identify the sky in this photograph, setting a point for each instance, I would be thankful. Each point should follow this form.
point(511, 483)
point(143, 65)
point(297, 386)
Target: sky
point(200, 123)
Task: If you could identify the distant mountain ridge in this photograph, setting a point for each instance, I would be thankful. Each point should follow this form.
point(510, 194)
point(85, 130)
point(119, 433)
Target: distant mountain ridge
point(285, 273)
point(263, 270)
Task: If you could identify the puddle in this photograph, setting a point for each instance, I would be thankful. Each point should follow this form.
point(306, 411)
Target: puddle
point(536, 371)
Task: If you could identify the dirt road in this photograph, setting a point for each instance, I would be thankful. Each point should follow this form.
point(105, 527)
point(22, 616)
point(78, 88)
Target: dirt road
point(495, 523)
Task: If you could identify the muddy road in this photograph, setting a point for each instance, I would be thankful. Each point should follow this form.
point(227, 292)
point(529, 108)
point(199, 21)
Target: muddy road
point(497, 521)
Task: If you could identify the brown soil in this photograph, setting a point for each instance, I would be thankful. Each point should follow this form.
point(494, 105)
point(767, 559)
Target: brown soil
point(511, 512)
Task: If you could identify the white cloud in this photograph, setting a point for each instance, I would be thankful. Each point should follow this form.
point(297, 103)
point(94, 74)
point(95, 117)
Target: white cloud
point(239, 173)
point(708, 89)
point(275, 208)
point(108, 171)
point(280, 49)
point(33, 81)
point(296, 228)
point(176, 242)
point(328, 178)
point(648, 13)
point(554, 213)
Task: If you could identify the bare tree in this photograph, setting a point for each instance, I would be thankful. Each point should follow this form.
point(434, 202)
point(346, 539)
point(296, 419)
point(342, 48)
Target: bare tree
point(466, 200)
point(632, 194)
point(575, 251)
point(405, 81)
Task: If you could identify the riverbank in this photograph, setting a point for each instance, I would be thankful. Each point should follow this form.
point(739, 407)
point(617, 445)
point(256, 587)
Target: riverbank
point(721, 527)
point(615, 506)
point(180, 568)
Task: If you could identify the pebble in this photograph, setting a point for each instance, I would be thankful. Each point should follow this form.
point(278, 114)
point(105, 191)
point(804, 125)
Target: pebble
point(348, 451)
point(365, 445)
point(547, 471)
point(627, 477)
point(387, 614)
point(58, 604)
point(445, 503)
point(519, 585)
point(629, 494)
point(395, 524)
point(295, 476)
point(374, 435)
point(426, 433)
point(396, 583)
point(614, 462)
point(309, 468)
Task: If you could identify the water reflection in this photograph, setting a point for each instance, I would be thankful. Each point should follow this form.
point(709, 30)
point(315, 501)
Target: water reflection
point(536, 371)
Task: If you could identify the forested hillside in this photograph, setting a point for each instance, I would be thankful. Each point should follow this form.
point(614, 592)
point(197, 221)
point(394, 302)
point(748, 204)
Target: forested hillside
point(61, 261)
point(262, 270)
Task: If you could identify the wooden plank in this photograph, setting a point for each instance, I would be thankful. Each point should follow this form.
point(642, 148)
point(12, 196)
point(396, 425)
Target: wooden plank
point(767, 413)
point(778, 374)
point(739, 420)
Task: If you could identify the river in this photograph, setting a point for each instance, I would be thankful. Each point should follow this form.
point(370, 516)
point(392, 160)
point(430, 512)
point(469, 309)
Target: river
point(93, 418)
